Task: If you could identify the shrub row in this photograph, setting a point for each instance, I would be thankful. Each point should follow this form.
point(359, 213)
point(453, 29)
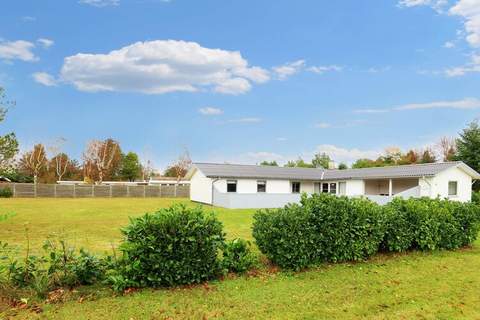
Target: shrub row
point(327, 228)
point(6, 192)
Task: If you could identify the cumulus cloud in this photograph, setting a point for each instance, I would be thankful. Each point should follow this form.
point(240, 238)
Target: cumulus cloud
point(100, 3)
point(465, 104)
point(469, 10)
point(161, 66)
point(449, 45)
point(210, 111)
point(288, 69)
point(17, 50)
point(45, 79)
point(45, 43)
point(437, 5)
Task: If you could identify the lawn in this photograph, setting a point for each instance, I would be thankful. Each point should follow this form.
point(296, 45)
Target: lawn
point(439, 285)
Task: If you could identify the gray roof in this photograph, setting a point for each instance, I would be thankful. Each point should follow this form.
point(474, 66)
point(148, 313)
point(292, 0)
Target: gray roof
point(215, 170)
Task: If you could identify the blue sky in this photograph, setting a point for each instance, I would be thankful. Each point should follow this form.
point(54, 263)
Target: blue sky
point(241, 81)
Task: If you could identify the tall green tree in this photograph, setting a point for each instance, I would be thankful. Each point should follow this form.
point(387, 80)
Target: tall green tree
point(468, 146)
point(131, 167)
point(321, 160)
point(8, 142)
point(299, 163)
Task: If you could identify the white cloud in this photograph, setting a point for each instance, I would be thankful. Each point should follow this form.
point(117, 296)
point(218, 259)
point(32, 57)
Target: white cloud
point(379, 69)
point(161, 66)
point(17, 50)
point(472, 66)
point(245, 120)
point(449, 45)
point(100, 3)
point(469, 10)
point(324, 69)
point(210, 111)
point(339, 154)
point(437, 5)
point(465, 104)
point(281, 139)
point(45, 79)
point(46, 43)
point(29, 19)
point(323, 125)
point(288, 69)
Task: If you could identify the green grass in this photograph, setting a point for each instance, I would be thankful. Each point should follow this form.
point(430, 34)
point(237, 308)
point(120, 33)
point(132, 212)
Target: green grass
point(439, 285)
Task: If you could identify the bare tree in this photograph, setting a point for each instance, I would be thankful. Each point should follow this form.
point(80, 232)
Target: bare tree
point(34, 161)
point(447, 148)
point(60, 160)
point(147, 166)
point(100, 156)
point(182, 165)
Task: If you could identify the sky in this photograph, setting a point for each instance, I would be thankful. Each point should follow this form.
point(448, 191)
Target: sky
point(240, 81)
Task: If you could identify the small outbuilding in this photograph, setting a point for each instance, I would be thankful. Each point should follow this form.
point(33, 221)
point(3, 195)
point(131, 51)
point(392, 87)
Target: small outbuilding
point(253, 186)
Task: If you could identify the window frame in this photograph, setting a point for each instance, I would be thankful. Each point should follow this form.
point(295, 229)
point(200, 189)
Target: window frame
point(330, 187)
point(293, 183)
point(259, 183)
point(232, 182)
point(456, 188)
point(323, 190)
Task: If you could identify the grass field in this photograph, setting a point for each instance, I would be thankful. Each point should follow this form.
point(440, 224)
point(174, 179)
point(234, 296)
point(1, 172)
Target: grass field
point(439, 285)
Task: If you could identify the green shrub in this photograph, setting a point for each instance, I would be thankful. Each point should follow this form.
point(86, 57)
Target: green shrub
point(323, 228)
point(476, 197)
point(174, 246)
point(429, 224)
point(6, 192)
point(237, 256)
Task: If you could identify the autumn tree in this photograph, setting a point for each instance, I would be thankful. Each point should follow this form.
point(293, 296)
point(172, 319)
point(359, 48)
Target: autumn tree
point(35, 161)
point(101, 159)
point(180, 168)
point(428, 156)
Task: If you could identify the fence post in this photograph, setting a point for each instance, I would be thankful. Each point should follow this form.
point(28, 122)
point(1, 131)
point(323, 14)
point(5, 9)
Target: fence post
point(159, 190)
point(74, 191)
point(35, 189)
point(110, 191)
point(175, 192)
point(128, 191)
point(144, 191)
point(93, 190)
point(54, 190)
point(14, 190)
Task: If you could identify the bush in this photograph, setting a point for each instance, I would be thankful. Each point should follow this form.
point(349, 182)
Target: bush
point(6, 192)
point(237, 256)
point(429, 224)
point(323, 228)
point(174, 246)
point(476, 197)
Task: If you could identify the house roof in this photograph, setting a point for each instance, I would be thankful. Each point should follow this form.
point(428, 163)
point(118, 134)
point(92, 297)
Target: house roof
point(215, 170)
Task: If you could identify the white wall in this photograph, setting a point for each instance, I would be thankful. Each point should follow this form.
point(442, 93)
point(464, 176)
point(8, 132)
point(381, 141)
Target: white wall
point(439, 185)
point(355, 188)
point(201, 188)
point(273, 186)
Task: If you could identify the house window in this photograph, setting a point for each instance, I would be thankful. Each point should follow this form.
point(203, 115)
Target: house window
point(261, 186)
point(452, 188)
point(324, 187)
point(231, 185)
point(333, 188)
point(295, 187)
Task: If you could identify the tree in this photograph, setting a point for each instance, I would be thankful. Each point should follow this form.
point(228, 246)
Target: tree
point(428, 156)
point(468, 146)
point(131, 167)
point(342, 166)
point(8, 142)
point(410, 157)
point(299, 163)
point(269, 163)
point(321, 160)
point(448, 148)
point(35, 161)
point(364, 163)
point(180, 168)
point(100, 159)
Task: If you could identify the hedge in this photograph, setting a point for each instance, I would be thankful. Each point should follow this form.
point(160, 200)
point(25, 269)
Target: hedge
point(327, 228)
point(323, 228)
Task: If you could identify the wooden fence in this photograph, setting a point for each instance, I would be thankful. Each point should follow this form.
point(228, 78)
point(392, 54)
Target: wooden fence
point(30, 190)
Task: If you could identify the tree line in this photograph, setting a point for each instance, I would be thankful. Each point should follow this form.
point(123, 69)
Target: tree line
point(102, 160)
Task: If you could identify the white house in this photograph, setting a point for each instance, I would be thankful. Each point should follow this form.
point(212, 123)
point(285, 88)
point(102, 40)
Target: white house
point(251, 186)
